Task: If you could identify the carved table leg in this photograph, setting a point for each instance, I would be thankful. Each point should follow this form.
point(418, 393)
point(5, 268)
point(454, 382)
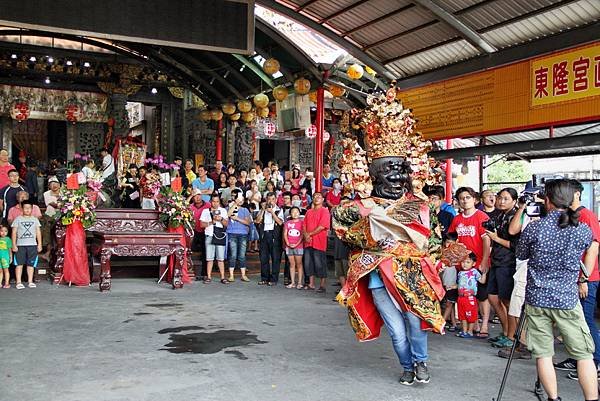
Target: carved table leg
point(105, 278)
point(177, 269)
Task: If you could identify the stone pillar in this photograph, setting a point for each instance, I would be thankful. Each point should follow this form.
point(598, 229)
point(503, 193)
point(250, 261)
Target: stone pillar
point(6, 125)
point(118, 101)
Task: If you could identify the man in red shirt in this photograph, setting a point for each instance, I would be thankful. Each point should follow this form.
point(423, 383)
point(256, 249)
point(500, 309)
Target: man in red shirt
point(316, 225)
point(468, 226)
point(587, 287)
point(197, 206)
point(5, 167)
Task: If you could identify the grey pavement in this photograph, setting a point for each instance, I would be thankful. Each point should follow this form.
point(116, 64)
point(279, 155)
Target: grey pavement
point(242, 342)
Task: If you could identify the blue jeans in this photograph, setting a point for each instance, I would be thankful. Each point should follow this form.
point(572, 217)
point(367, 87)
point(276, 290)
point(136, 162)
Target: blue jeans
point(409, 341)
point(237, 250)
point(589, 307)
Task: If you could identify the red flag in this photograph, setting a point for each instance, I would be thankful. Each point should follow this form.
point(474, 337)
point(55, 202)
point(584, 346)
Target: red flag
point(176, 184)
point(72, 182)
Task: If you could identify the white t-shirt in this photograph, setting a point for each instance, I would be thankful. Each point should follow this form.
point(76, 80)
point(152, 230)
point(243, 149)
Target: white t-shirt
point(108, 166)
point(48, 199)
point(207, 218)
point(268, 219)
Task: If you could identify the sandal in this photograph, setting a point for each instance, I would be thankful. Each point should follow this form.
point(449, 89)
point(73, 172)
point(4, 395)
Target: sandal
point(31, 285)
point(482, 335)
point(320, 290)
point(207, 280)
point(308, 287)
point(6, 286)
point(245, 279)
point(224, 281)
point(290, 285)
point(263, 282)
point(300, 287)
point(20, 286)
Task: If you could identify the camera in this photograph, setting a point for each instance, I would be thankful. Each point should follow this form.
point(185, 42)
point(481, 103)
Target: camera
point(269, 206)
point(528, 197)
point(489, 225)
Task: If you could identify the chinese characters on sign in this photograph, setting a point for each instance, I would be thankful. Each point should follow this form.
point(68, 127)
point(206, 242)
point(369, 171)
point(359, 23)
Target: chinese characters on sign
point(568, 76)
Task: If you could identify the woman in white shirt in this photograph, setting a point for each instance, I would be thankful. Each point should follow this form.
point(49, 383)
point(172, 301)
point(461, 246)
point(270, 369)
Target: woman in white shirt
point(215, 216)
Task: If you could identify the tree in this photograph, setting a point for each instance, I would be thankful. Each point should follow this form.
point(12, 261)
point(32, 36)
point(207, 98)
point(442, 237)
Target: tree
point(502, 173)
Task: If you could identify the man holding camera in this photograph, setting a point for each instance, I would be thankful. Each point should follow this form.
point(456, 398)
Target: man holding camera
point(589, 287)
point(270, 221)
point(554, 246)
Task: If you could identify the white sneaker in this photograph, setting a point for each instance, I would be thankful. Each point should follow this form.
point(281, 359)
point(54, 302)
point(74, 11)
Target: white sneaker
point(20, 286)
point(31, 285)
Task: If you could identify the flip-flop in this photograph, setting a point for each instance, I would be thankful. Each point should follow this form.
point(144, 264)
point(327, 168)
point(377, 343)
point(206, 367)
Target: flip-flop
point(207, 280)
point(224, 281)
point(482, 335)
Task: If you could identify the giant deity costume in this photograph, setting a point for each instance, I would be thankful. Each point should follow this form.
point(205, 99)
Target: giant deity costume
point(390, 225)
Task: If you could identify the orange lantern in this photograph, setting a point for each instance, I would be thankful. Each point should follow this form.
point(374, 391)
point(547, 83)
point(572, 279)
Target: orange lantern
point(216, 115)
point(235, 116)
point(261, 100)
point(228, 108)
point(337, 91)
point(271, 66)
point(73, 113)
point(20, 111)
point(248, 116)
point(262, 112)
point(302, 86)
point(355, 71)
point(280, 93)
point(312, 96)
point(244, 106)
point(204, 115)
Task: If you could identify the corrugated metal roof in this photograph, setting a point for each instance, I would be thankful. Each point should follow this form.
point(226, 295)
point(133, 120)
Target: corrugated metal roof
point(409, 39)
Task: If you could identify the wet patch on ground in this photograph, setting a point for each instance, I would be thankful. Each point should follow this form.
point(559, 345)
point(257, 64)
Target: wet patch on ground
point(179, 329)
point(210, 343)
point(165, 305)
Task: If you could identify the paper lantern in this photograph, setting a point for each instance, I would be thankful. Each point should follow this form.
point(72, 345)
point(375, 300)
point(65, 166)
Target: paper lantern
point(262, 112)
point(312, 96)
point(204, 115)
point(20, 111)
point(326, 136)
point(311, 132)
point(244, 106)
point(235, 116)
point(369, 70)
point(216, 115)
point(270, 129)
point(248, 116)
point(355, 71)
point(280, 93)
point(228, 108)
point(302, 86)
point(73, 113)
point(337, 91)
point(261, 100)
point(271, 66)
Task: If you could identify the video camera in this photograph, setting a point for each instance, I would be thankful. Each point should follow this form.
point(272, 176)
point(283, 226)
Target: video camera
point(528, 197)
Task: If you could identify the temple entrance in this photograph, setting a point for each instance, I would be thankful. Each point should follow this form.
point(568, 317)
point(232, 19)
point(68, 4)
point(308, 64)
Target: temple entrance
point(275, 150)
point(43, 140)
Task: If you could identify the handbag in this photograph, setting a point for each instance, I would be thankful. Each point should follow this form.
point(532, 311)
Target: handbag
point(219, 236)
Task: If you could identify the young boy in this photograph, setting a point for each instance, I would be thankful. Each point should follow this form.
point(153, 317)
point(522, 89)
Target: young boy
point(5, 256)
point(27, 242)
point(449, 276)
point(467, 281)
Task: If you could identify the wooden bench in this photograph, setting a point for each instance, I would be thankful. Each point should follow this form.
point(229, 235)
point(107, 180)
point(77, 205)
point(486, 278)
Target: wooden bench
point(122, 232)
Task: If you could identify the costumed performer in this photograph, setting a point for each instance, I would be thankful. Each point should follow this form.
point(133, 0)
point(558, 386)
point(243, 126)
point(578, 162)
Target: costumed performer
point(393, 273)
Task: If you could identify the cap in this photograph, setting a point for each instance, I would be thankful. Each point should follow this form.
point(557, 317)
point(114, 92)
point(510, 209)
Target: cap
point(196, 192)
point(53, 179)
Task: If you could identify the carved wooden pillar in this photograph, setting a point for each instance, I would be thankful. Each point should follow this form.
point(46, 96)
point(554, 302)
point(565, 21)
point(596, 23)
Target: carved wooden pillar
point(118, 101)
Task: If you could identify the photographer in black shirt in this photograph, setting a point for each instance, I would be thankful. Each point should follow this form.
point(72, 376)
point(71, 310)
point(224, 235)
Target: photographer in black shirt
point(503, 266)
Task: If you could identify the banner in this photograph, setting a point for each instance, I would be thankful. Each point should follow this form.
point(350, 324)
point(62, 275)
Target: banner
point(52, 104)
point(568, 76)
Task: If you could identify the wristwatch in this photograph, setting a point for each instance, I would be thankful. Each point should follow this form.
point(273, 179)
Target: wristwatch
point(582, 280)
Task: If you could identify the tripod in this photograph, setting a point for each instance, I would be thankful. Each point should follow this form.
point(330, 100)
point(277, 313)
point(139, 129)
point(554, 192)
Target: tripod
point(537, 390)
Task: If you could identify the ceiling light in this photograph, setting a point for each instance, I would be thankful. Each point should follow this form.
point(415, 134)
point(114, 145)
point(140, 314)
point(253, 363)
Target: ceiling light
point(86, 64)
point(226, 74)
point(50, 59)
point(243, 66)
point(47, 80)
point(32, 59)
point(154, 91)
point(13, 56)
point(69, 62)
point(212, 81)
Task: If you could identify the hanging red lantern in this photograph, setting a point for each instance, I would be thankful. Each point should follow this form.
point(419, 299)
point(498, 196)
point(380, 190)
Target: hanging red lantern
point(270, 129)
point(20, 111)
point(73, 113)
point(311, 132)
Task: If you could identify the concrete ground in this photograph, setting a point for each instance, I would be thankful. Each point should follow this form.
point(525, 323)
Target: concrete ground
point(144, 341)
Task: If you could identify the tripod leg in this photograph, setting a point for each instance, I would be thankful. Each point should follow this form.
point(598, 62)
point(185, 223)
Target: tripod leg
point(516, 342)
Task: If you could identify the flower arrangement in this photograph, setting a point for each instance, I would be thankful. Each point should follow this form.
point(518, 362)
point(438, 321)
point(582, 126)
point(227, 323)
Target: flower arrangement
point(174, 211)
point(160, 162)
point(79, 156)
point(95, 183)
point(75, 204)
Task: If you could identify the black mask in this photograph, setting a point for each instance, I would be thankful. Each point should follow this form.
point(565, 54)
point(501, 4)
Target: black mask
point(391, 177)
